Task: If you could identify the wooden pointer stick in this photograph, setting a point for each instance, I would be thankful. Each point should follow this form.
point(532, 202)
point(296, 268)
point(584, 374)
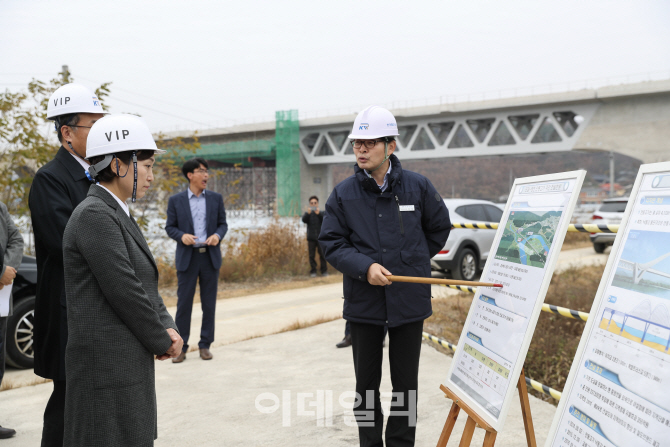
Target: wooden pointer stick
point(446, 282)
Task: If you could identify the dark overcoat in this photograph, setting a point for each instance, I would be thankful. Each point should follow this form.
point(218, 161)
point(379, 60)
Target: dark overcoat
point(314, 222)
point(117, 323)
point(58, 187)
point(401, 229)
point(180, 221)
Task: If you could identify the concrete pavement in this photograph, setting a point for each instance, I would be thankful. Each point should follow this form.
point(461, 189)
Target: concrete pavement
point(245, 317)
point(213, 403)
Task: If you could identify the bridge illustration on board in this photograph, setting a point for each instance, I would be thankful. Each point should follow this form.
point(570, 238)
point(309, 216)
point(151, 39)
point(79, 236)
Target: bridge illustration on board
point(640, 269)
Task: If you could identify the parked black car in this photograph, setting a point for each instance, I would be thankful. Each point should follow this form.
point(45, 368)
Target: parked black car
point(20, 352)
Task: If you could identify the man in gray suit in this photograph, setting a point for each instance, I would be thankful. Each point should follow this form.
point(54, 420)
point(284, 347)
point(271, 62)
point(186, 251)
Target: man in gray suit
point(11, 244)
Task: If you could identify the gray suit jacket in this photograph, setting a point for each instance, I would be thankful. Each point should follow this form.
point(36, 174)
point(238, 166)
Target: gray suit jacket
point(11, 242)
point(117, 322)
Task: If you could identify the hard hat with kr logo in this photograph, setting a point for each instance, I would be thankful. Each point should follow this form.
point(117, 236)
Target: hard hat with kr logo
point(73, 98)
point(374, 122)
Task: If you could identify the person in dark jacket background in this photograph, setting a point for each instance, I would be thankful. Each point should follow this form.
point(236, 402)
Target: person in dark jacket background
point(378, 222)
point(314, 218)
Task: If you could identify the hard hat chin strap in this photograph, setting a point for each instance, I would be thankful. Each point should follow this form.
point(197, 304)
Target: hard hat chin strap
point(74, 151)
point(135, 179)
point(95, 169)
point(134, 174)
point(386, 157)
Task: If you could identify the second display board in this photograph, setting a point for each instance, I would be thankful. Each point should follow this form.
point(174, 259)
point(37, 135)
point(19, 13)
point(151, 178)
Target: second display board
point(500, 323)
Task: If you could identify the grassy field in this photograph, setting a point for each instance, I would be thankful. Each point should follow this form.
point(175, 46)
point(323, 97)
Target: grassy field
point(556, 338)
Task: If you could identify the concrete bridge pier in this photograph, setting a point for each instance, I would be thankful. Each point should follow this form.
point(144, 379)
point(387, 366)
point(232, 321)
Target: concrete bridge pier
point(315, 180)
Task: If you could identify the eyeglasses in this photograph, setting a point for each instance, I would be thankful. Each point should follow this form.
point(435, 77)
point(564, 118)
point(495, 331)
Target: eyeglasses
point(369, 144)
point(201, 171)
point(72, 125)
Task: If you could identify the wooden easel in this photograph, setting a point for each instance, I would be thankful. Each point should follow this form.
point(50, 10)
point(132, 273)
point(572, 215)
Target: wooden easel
point(475, 420)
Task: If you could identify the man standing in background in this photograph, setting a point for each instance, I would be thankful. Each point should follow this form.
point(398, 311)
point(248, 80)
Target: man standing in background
point(58, 187)
point(196, 219)
point(314, 218)
point(11, 253)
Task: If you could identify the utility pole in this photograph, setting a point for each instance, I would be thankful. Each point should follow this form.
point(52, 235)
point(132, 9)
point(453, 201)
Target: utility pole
point(65, 74)
point(611, 174)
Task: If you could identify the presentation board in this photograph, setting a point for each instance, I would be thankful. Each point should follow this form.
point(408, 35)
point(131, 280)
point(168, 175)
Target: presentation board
point(618, 389)
point(500, 324)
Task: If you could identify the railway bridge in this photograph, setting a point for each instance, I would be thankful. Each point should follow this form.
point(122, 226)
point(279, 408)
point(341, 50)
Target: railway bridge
point(630, 119)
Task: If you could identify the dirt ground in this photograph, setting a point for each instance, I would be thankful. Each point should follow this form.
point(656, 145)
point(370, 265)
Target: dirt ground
point(238, 289)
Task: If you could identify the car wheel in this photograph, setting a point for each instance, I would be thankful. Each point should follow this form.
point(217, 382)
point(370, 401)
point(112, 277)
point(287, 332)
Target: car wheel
point(466, 265)
point(599, 247)
point(20, 348)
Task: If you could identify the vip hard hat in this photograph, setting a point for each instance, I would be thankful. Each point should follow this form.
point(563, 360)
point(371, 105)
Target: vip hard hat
point(374, 122)
point(119, 133)
point(73, 98)
point(114, 134)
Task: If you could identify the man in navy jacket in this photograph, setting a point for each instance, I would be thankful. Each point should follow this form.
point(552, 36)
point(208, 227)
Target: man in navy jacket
point(378, 222)
point(196, 219)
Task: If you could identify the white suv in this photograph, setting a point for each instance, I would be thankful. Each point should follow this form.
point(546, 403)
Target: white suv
point(466, 250)
point(610, 212)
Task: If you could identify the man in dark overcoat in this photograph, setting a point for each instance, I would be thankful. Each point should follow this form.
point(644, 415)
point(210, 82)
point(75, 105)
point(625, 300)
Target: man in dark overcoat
point(384, 220)
point(196, 219)
point(58, 187)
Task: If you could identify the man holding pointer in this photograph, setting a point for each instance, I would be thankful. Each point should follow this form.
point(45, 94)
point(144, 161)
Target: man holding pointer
point(382, 220)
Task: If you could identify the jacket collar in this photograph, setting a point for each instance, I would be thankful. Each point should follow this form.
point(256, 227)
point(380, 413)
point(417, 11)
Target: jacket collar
point(73, 167)
point(127, 221)
point(369, 184)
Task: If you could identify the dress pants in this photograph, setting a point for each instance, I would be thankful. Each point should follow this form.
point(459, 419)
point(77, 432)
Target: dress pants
point(404, 351)
point(3, 346)
point(347, 329)
point(53, 428)
point(200, 267)
point(54, 417)
point(314, 247)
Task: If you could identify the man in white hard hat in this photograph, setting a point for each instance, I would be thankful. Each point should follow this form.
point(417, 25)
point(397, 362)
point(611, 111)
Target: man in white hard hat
point(58, 187)
point(382, 221)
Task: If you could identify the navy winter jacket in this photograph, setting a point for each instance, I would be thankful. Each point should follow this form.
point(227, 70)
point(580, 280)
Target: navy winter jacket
point(362, 226)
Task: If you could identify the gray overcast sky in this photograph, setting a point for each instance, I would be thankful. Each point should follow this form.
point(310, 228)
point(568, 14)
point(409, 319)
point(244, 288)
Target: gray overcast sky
point(215, 63)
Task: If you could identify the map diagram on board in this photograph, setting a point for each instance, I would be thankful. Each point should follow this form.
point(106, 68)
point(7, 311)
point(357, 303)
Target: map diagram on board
point(527, 237)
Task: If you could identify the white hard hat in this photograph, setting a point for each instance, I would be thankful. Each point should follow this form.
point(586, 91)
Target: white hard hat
point(119, 133)
point(374, 122)
point(73, 98)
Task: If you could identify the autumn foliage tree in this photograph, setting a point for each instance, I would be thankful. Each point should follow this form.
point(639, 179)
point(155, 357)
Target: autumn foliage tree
point(27, 138)
point(28, 141)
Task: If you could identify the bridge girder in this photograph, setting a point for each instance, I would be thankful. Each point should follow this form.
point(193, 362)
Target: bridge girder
point(519, 130)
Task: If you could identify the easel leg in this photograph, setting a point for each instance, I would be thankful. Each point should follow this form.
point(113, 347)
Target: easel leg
point(525, 411)
point(490, 438)
point(468, 432)
point(449, 425)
